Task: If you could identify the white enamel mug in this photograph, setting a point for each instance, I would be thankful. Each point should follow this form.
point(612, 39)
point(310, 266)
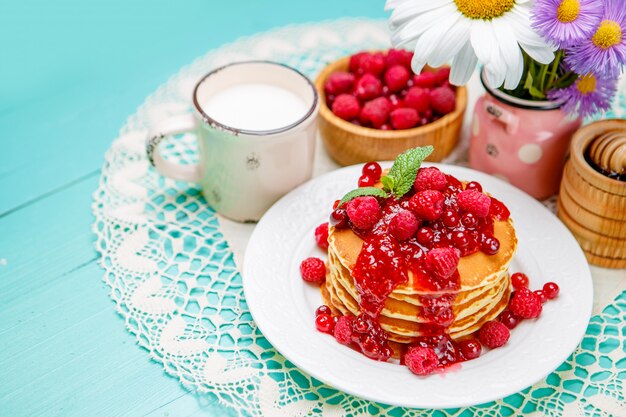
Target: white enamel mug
point(242, 172)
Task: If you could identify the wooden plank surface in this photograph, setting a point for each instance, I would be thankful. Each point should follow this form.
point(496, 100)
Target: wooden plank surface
point(72, 72)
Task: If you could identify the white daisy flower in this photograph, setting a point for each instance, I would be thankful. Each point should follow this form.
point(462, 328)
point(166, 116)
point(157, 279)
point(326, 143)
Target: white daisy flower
point(467, 32)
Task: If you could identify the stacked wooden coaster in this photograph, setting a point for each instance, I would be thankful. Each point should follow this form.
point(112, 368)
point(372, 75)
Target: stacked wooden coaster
point(592, 199)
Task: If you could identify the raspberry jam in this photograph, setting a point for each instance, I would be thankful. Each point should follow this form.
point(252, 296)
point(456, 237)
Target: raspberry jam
point(384, 262)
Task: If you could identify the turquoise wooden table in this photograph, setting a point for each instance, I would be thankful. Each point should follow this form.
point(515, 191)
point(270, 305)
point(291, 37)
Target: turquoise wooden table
point(70, 74)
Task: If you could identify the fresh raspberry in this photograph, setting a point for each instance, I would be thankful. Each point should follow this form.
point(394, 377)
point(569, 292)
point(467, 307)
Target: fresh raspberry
point(313, 270)
point(368, 87)
point(474, 202)
point(376, 111)
point(343, 330)
point(403, 225)
point(470, 349)
point(442, 100)
point(519, 280)
point(427, 204)
point(442, 75)
point(321, 235)
point(346, 106)
point(425, 79)
point(404, 118)
point(551, 290)
point(493, 334)
point(396, 102)
point(525, 304)
point(430, 179)
point(442, 262)
point(418, 98)
point(398, 57)
point(421, 360)
point(363, 212)
point(373, 64)
point(339, 82)
point(396, 78)
point(356, 60)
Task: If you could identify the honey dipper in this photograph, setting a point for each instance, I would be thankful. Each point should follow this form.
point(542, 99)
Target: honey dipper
point(607, 152)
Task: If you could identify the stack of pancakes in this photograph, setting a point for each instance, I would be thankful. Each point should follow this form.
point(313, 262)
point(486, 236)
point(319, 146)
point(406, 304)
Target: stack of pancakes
point(483, 294)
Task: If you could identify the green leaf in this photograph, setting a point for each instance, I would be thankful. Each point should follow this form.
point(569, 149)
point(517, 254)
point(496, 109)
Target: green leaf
point(363, 191)
point(405, 167)
point(388, 183)
point(534, 91)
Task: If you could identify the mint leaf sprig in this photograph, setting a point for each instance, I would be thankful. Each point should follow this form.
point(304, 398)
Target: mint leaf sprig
point(400, 178)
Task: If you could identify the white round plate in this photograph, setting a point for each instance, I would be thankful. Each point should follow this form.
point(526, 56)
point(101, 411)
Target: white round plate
point(283, 305)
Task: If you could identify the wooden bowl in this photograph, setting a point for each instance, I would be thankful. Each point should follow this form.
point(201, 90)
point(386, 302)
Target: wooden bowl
point(349, 144)
point(592, 205)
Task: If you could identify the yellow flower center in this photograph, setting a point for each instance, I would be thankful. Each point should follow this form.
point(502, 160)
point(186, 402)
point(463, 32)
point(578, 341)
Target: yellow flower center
point(609, 33)
point(568, 11)
point(586, 84)
point(484, 9)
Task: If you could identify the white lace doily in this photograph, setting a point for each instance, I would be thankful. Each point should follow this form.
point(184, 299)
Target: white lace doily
point(173, 277)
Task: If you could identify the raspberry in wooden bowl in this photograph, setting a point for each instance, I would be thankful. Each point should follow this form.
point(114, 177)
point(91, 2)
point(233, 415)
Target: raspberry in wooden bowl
point(374, 107)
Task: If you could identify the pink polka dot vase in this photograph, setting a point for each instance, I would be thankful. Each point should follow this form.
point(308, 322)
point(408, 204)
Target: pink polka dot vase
point(520, 141)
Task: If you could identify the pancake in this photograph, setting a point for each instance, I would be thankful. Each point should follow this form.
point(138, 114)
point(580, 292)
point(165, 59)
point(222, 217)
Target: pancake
point(484, 288)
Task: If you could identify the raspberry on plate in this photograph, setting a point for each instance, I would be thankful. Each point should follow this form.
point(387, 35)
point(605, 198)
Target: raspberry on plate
point(442, 262)
point(403, 225)
point(443, 100)
point(396, 78)
point(363, 212)
point(421, 360)
point(368, 87)
point(525, 304)
point(346, 106)
point(321, 235)
point(376, 111)
point(494, 334)
point(404, 118)
point(313, 270)
point(343, 330)
point(474, 202)
point(417, 98)
point(430, 179)
point(339, 82)
point(427, 204)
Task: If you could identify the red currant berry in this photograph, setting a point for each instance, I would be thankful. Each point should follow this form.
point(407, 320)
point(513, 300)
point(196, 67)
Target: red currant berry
point(324, 323)
point(425, 235)
point(373, 170)
point(450, 218)
point(490, 245)
point(336, 204)
point(460, 239)
point(469, 220)
point(519, 280)
point(541, 295)
point(509, 319)
point(473, 185)
point(324, 309)
point(470, 348)
point(366, 181)
point(360, 326)
point(551, 290)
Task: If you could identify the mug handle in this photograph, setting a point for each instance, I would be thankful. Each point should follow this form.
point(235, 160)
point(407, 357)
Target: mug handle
point(166, 129)
point(508, 119)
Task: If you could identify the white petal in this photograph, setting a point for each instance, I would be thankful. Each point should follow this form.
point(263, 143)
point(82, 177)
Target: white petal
point(510, 53)
point(482, 41)
point(408, 10)
point(463, 65)
point(412, 29)
point(428, 48)
point(451, 43)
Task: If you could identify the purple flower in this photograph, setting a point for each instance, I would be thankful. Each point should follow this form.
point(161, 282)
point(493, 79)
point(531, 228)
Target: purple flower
point(588, 95)
point(604, 52)
point(566, 22)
